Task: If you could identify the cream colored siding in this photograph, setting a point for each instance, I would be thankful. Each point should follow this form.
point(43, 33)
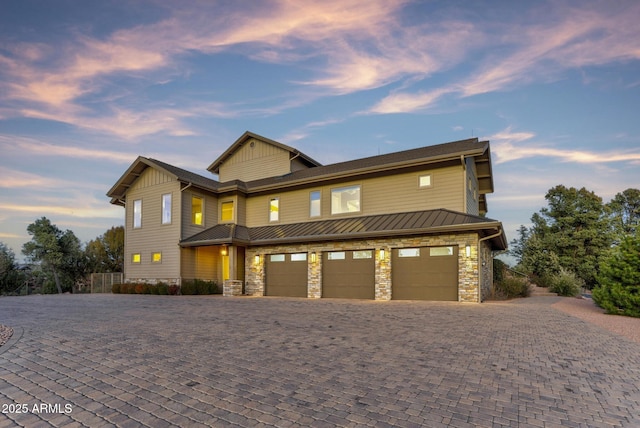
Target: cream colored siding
point(252, 163)
point(153, 236)
point(210, 208)
point(381, 195)
point(472, 191)
point(201, 263)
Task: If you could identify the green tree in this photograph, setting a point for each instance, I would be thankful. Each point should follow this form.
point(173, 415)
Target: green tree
point(58, 252)
point(625, 212)
point(572, 232)
point(106, 252)
point(10, 276)
point(619, 280)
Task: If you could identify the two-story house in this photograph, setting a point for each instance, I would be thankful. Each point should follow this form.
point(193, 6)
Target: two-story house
point(404, 225)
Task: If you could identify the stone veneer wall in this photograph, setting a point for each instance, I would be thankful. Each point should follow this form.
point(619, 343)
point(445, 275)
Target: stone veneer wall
point(468, 267)
point(486, 278)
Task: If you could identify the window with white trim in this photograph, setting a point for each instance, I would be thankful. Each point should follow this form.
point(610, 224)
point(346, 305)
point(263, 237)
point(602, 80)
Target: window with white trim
point(424, 181)
point(197, 210)
point(274, 209)
point(314, 204)
point(137, 213)
point(166, 208)
point(345, 200)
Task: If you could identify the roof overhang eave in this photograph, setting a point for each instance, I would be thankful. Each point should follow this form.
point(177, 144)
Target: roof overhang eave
point(468, 227)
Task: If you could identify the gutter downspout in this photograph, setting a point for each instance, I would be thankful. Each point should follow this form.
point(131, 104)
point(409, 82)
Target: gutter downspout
point(495, 235)
point(464, 184)
point(186, 187)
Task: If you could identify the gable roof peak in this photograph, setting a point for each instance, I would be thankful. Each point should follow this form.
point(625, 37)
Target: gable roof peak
point(248, 135)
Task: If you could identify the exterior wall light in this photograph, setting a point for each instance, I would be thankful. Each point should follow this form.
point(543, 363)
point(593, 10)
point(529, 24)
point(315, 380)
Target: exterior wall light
point(224, 250)
point(381, 254)
point(314, 257)
point(256, 259)
point(467, 250)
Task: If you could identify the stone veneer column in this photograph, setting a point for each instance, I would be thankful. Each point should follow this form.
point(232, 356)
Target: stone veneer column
point(254, 273)
point(383, 274)
point(314, 281)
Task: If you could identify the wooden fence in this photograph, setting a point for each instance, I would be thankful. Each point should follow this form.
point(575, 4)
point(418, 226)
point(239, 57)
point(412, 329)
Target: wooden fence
point(102, 282)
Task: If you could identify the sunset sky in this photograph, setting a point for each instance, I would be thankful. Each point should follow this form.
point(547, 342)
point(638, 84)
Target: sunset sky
point(87, 86)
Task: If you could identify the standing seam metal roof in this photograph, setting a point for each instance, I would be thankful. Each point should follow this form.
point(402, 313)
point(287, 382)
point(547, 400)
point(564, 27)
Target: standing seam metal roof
point(411, 223)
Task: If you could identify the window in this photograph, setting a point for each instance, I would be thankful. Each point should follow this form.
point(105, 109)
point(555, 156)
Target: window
point(196, 210)
point(345, 200)
point(276, 258)
point(137, 213)
point(336, 255)
point(424, 180)
point(441, 251)
point(409, 252)
point(156, 257)
point(135, 258)
point(166, 208)
point(274, 209)
point(314, 204)
point(226, 211)
point(367, 254)
point(299, 257)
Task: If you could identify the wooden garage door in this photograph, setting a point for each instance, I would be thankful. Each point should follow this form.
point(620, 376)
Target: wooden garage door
point(286, 275)
point(348, 274)
point(425, 273)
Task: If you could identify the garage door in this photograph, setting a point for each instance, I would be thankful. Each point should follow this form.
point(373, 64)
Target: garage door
point(425, 273)
point(348, 274)
point(286, 275)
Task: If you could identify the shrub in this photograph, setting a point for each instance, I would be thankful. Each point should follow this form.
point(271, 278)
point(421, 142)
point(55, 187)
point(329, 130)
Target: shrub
point(499, 270)
point(153, 289)
point(618, 300)
point(566, 283)
point(619, 280)
point(115, 288)
point(511, 287)
point(163, 288)
point(189, 288)
point(139, 288)
point(174, 289)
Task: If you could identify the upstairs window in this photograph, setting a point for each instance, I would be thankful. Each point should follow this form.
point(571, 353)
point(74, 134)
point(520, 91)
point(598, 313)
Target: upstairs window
point(314, 204)
point(274, 209)
point(166, 208)
point(135, 258)
point(137, 213)
point(424, 181)
point(196, 210)
point(345, 200)
point(156, 257)
point(226, 211)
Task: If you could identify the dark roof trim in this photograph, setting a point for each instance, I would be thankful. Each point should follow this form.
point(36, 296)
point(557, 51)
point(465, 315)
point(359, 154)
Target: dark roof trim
point(377, 226)
point(215, 166)
point(117, 192)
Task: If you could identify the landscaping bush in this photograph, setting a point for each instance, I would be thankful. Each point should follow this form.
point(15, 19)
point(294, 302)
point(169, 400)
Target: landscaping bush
point(511, 287)
point(173, 289)
point(163, 288)
point(115, 288)
point(192, 287)
point(618, 291)
point(566, 284)
point(618, 300)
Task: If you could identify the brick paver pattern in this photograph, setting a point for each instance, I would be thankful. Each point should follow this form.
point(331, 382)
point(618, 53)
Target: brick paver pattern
point(129, 360)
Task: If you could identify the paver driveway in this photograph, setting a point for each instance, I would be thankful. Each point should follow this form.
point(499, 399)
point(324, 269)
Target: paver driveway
point(128, 360)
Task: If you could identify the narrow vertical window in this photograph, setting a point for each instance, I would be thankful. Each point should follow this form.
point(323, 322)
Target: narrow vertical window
point(137, 213)
point(196, 210)
point(226, 211)
point(274, 209)
point(314, 204)
point(166, 208)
